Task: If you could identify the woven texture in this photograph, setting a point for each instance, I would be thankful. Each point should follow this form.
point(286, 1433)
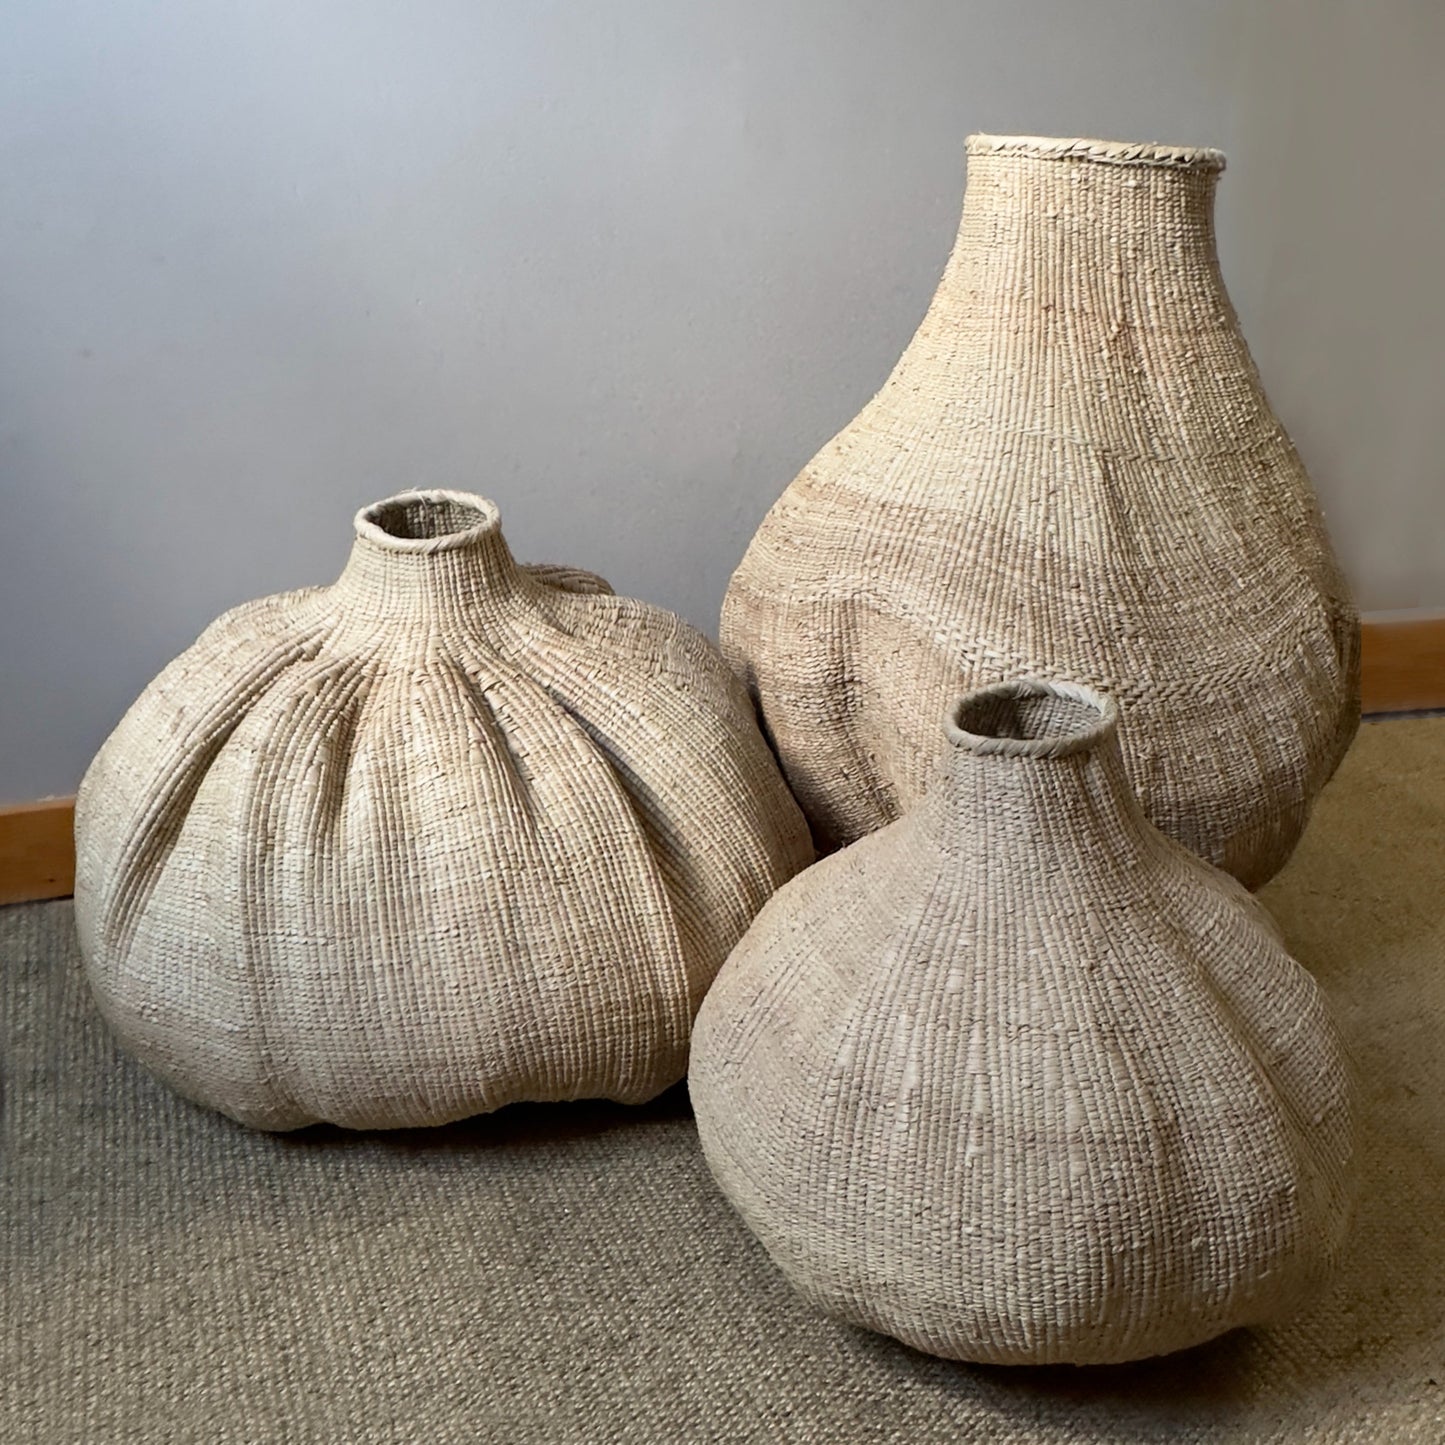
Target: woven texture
point(1072, 472)
point(445, 835)
point(1017, 1079)
point(568, 1274)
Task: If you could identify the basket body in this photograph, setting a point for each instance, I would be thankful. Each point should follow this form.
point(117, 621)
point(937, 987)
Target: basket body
point(1019, 1080)
point(1072, 472)
point(447, 834)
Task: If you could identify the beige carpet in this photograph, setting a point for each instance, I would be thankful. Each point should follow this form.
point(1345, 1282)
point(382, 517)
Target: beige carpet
point(568, 1273)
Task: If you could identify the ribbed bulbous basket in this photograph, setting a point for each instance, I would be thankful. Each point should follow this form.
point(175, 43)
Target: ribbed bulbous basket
point(448, 834)
point(1018, 1079)
point(1072, 472)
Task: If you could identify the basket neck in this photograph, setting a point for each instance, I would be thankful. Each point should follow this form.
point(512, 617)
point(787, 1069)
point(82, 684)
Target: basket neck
point(1032, 777)
point(425, 559)
point(1125, 234)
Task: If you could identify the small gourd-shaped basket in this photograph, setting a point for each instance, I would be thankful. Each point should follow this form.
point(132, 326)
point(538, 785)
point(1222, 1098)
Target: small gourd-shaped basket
point(1018, 1079)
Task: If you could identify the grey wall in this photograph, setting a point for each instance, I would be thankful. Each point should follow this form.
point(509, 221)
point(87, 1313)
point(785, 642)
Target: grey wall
point(622, 266)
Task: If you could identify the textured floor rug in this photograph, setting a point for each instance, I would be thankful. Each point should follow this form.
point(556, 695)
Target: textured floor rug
point(568, 1273)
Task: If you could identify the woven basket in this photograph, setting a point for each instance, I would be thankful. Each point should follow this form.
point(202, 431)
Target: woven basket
point(1017, 1078)
point(1072, 472)
point(447, 834)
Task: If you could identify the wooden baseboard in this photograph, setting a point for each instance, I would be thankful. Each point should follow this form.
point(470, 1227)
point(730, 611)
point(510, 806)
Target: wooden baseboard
point(1402, 662)
point(37, 850)
point(1402, 670)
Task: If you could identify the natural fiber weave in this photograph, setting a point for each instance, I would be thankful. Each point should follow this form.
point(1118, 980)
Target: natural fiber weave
point(1019, 1080)
point(569, 1274)
point(445, 835)
point(1072, 472)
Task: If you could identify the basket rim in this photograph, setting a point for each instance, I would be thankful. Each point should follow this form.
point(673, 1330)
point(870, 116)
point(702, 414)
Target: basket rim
point(488, 522)
point(1107, 152)
point(1084, 739)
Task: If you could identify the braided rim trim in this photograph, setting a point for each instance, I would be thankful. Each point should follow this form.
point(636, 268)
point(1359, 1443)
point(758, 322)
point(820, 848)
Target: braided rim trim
point(983, 745)
point(1109, 152)
point(368, 521)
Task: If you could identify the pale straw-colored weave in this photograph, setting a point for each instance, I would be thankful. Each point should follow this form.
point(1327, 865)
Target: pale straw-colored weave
point(1018, 1079)
point(447, 834)
point(1072, 472)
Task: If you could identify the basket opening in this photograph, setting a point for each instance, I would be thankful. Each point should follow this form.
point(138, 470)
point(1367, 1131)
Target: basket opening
point(427, 518)
point(1030, 718)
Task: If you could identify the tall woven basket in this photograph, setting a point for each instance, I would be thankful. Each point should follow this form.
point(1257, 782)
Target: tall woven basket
point(1017, 1078)
point(1072, 472)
